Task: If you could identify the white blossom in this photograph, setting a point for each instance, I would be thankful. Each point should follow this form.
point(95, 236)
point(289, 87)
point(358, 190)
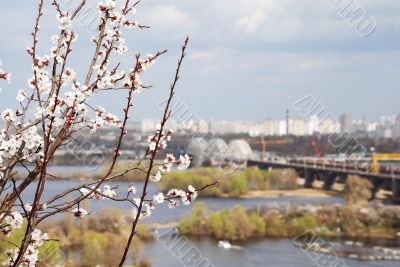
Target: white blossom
point(108, 192)
point(156, 178)
point(159, 198)
point(28, 207)
point(85, 192)
point(8, 115)
point(183, 162)
point(132, 189)
point(64, 21)
point(191, 189)
point(79, 212)
point(122, 48)
point(14, 221)
point(172, 204)
point(21, 95)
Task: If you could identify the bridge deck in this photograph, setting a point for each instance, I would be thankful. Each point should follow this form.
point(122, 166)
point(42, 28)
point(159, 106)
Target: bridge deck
point(325, 168)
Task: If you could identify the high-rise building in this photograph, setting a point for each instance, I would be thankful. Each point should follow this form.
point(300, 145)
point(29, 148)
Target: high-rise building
point(396, 128)
point(346, 122)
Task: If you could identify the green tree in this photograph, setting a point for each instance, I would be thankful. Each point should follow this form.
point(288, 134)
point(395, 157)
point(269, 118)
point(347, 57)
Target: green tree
point(94, 248)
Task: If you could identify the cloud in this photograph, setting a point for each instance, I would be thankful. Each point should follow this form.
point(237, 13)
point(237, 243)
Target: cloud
point(250, 24)
point(201, 55)
point(168, 19)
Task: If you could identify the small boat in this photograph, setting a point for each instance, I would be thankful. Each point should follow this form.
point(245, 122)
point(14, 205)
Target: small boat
point(377, 248)
point(224, 244)
point(371, 258)
point(359, 244)
point(353, 256)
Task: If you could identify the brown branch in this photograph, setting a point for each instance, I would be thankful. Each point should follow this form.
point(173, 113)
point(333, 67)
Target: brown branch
point(153, 155)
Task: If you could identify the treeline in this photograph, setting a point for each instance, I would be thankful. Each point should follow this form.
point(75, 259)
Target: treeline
point(230, 183)
point(238, 224)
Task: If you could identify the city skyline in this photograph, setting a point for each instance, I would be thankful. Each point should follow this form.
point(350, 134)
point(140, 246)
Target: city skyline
point(385, 127)
point(282, 117)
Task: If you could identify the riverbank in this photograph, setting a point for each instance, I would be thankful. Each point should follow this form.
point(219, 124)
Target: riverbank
point(90, 241)
point(240, 224)
point(97, 239)
point(301, 192)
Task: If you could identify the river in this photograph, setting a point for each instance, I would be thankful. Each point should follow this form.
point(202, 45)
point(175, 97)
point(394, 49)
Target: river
point(164, 214)
point(263, 253)
point(267, 252)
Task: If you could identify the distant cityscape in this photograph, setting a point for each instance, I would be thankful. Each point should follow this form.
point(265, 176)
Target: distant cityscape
point(386, 127)
point(383, 135)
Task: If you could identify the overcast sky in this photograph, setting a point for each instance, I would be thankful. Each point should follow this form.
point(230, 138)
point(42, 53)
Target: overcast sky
point(247, 60)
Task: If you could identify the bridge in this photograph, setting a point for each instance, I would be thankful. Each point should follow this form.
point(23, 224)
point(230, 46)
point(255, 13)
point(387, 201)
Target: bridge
point(330, 171)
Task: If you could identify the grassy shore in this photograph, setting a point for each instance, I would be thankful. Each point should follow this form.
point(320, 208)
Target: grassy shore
point(231, 183)
point(239, 224)
point(91, 241)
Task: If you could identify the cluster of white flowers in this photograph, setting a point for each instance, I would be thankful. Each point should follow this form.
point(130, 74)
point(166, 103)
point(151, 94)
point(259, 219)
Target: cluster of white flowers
point(159, 198)
point(156, 178)
point(133, 79)
point(109, 9)
point(40, 80)
point(129, 24)
point(60, 46)
point(67, 76)
point(172, 198)
point(95, 194)
point(8, 115)
point(121, 48)
point(79, 212)
point(28, 207)
point(146, 63)
point(132, 189)
point(76, 97)
point(3, 74)
point(64, 21)
point(14, 221)
point(186, 196)
point(31, 255)
point(108, 192)
point(101, 119)
point(181, 164)
point(98, 194)
point(161, 137)
point(28, 143)
point(107, 79)
point(145, 212)
point(21, 96)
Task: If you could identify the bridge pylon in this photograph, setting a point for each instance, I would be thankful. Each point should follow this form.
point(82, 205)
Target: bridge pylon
point(329, 179)
point(396, 191)
point(309, 177)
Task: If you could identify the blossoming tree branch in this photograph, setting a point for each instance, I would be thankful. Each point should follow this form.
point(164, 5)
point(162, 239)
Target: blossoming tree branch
point(56, 106)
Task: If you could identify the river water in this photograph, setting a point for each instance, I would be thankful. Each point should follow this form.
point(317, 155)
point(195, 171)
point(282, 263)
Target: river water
point(164, 214)
point(267, 252)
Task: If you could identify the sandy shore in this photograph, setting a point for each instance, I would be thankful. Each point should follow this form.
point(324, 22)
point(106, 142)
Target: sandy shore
point(302, 192)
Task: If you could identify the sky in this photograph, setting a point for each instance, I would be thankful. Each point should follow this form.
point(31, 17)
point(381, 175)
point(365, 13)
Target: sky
point(247, 60)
